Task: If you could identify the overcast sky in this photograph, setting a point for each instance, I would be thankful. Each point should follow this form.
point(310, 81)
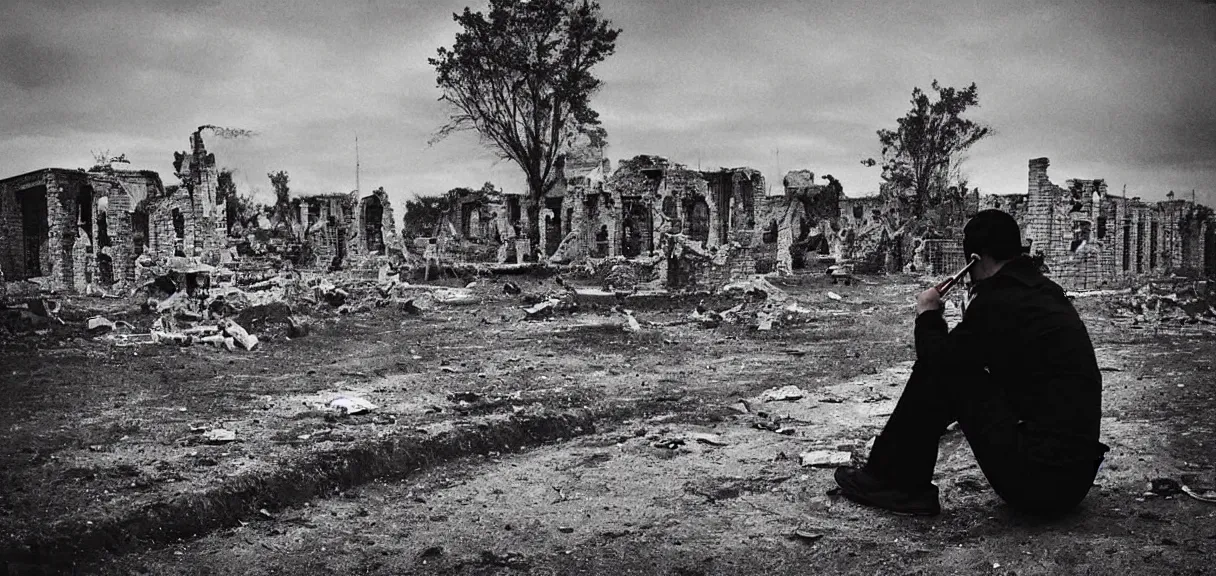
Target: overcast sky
point(1114, 89)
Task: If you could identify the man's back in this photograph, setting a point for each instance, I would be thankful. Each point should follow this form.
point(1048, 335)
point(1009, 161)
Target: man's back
point(1040, 352)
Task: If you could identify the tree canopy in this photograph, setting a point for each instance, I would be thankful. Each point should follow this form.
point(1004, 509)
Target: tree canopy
point(923, 155)
point(520, 76)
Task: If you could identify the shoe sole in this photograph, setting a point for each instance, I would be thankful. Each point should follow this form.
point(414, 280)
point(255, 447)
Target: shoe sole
point(866, 502)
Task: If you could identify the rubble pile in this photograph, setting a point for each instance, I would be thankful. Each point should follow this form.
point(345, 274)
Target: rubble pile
point(1147, 305)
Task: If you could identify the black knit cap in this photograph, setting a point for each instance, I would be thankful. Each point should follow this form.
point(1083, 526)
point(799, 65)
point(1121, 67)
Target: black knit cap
point(992, 233)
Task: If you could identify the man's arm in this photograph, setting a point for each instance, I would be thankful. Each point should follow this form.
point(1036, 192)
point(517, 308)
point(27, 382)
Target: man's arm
point(964, 348)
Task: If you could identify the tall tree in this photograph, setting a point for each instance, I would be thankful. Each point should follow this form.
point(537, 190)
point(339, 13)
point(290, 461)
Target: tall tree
point(520, 76)
point(282, 198)
point(922, 156)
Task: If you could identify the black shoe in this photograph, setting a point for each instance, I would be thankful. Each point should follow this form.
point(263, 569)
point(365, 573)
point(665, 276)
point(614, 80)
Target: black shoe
point(863, 488)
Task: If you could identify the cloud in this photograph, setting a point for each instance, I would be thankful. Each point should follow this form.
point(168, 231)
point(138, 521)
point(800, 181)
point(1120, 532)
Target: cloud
point(1118, 89)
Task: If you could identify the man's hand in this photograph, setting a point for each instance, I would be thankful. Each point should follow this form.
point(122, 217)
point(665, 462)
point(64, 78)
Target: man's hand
point(930, 299)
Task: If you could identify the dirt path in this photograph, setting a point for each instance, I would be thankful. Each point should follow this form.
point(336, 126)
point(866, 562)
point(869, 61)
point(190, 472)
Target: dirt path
point(616, 503)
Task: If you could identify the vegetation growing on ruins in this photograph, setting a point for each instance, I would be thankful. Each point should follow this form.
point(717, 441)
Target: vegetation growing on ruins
point(922, 156)
point(520, 76)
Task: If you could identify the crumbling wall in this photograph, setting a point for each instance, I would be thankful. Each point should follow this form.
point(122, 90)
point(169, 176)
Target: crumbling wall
point(811, 224)
point(869, 227)
point(1091, 240)
point(480, 226)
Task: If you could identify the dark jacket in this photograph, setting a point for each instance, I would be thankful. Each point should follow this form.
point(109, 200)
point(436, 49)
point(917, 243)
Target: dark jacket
point(1023, 330)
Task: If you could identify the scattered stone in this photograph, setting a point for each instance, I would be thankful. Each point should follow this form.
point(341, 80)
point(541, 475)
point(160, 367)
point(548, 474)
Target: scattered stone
point(219, 436)
point(785, 393)
point(239, 335)
point(99, 325)
point(669, 443)
point(1208, 496)
point(511, 289)
point(807, 534)
point(835, 296)
point(821, 458)
point(298, 327)
point(711, 439)
point(351, 405)
point(1165, 487)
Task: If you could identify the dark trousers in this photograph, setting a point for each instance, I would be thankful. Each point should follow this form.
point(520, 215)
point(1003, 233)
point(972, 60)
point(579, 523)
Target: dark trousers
point(1030, 469)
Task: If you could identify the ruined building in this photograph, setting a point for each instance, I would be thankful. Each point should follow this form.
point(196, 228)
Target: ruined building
point(67, 230)
point(482, 225)
point(683, 227)
point(342, 229)
point(1090, 239)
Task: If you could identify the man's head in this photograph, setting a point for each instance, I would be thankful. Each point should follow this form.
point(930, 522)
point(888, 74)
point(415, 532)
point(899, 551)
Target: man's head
point(994, 237)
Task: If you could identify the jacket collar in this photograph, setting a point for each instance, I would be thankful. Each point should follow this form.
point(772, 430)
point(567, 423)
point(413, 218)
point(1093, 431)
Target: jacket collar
point(1020, 270)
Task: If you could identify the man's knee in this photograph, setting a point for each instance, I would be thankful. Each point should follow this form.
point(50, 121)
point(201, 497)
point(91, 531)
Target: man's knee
point(1046, 492)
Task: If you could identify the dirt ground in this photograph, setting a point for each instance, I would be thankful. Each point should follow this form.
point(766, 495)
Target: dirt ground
point(91, 431)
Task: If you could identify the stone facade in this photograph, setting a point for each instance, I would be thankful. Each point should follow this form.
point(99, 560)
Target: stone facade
point(74, 229)
point(1090, 239)
point(341, 230)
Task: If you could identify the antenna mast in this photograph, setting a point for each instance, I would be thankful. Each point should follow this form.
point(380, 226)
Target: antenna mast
point(357, 187)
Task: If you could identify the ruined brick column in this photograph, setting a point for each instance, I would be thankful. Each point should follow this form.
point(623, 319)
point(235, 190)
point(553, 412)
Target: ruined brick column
point(61, 236)
point(1039, 206)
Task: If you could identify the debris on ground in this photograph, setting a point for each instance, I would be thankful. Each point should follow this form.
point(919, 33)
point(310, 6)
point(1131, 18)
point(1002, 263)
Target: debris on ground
point(668, 443)
point(232, 329)
point(1208, 496)
point(820, 458)
point(711, 439)
point(219, 436)
point(807, 534)
point(772, 423)
point(1161, 304)
point(835, 296)
point(1164, 487)
point(784, 393)
point(350, 405)
point(631, 323)
point(298, 327)
point(758, 288)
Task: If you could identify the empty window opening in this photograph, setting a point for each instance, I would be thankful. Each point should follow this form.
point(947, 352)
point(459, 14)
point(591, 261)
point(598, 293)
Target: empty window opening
point(1139, 247)
point(669, 208)
point(1152, 246)
point(770, 233)
point(373, 224)
point(179, 233)
point(139, 228)
point(34, 233)
point(1080, 234)
point(314, 213)
point(553, 225)
point(601, 243)
point(698, 221)
point(84, 210)
point(1127, 246)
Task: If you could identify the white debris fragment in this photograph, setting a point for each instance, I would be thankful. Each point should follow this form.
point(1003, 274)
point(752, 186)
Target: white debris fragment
point(790, 392)
point(352, 405)
point(239, 335)
point(219, 436)
point(825, 458)
point(835, 296)
point(631, 323)
point(704, 438)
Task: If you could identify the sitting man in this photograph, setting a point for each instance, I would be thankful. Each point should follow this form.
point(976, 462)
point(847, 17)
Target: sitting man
point(1018, 374)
